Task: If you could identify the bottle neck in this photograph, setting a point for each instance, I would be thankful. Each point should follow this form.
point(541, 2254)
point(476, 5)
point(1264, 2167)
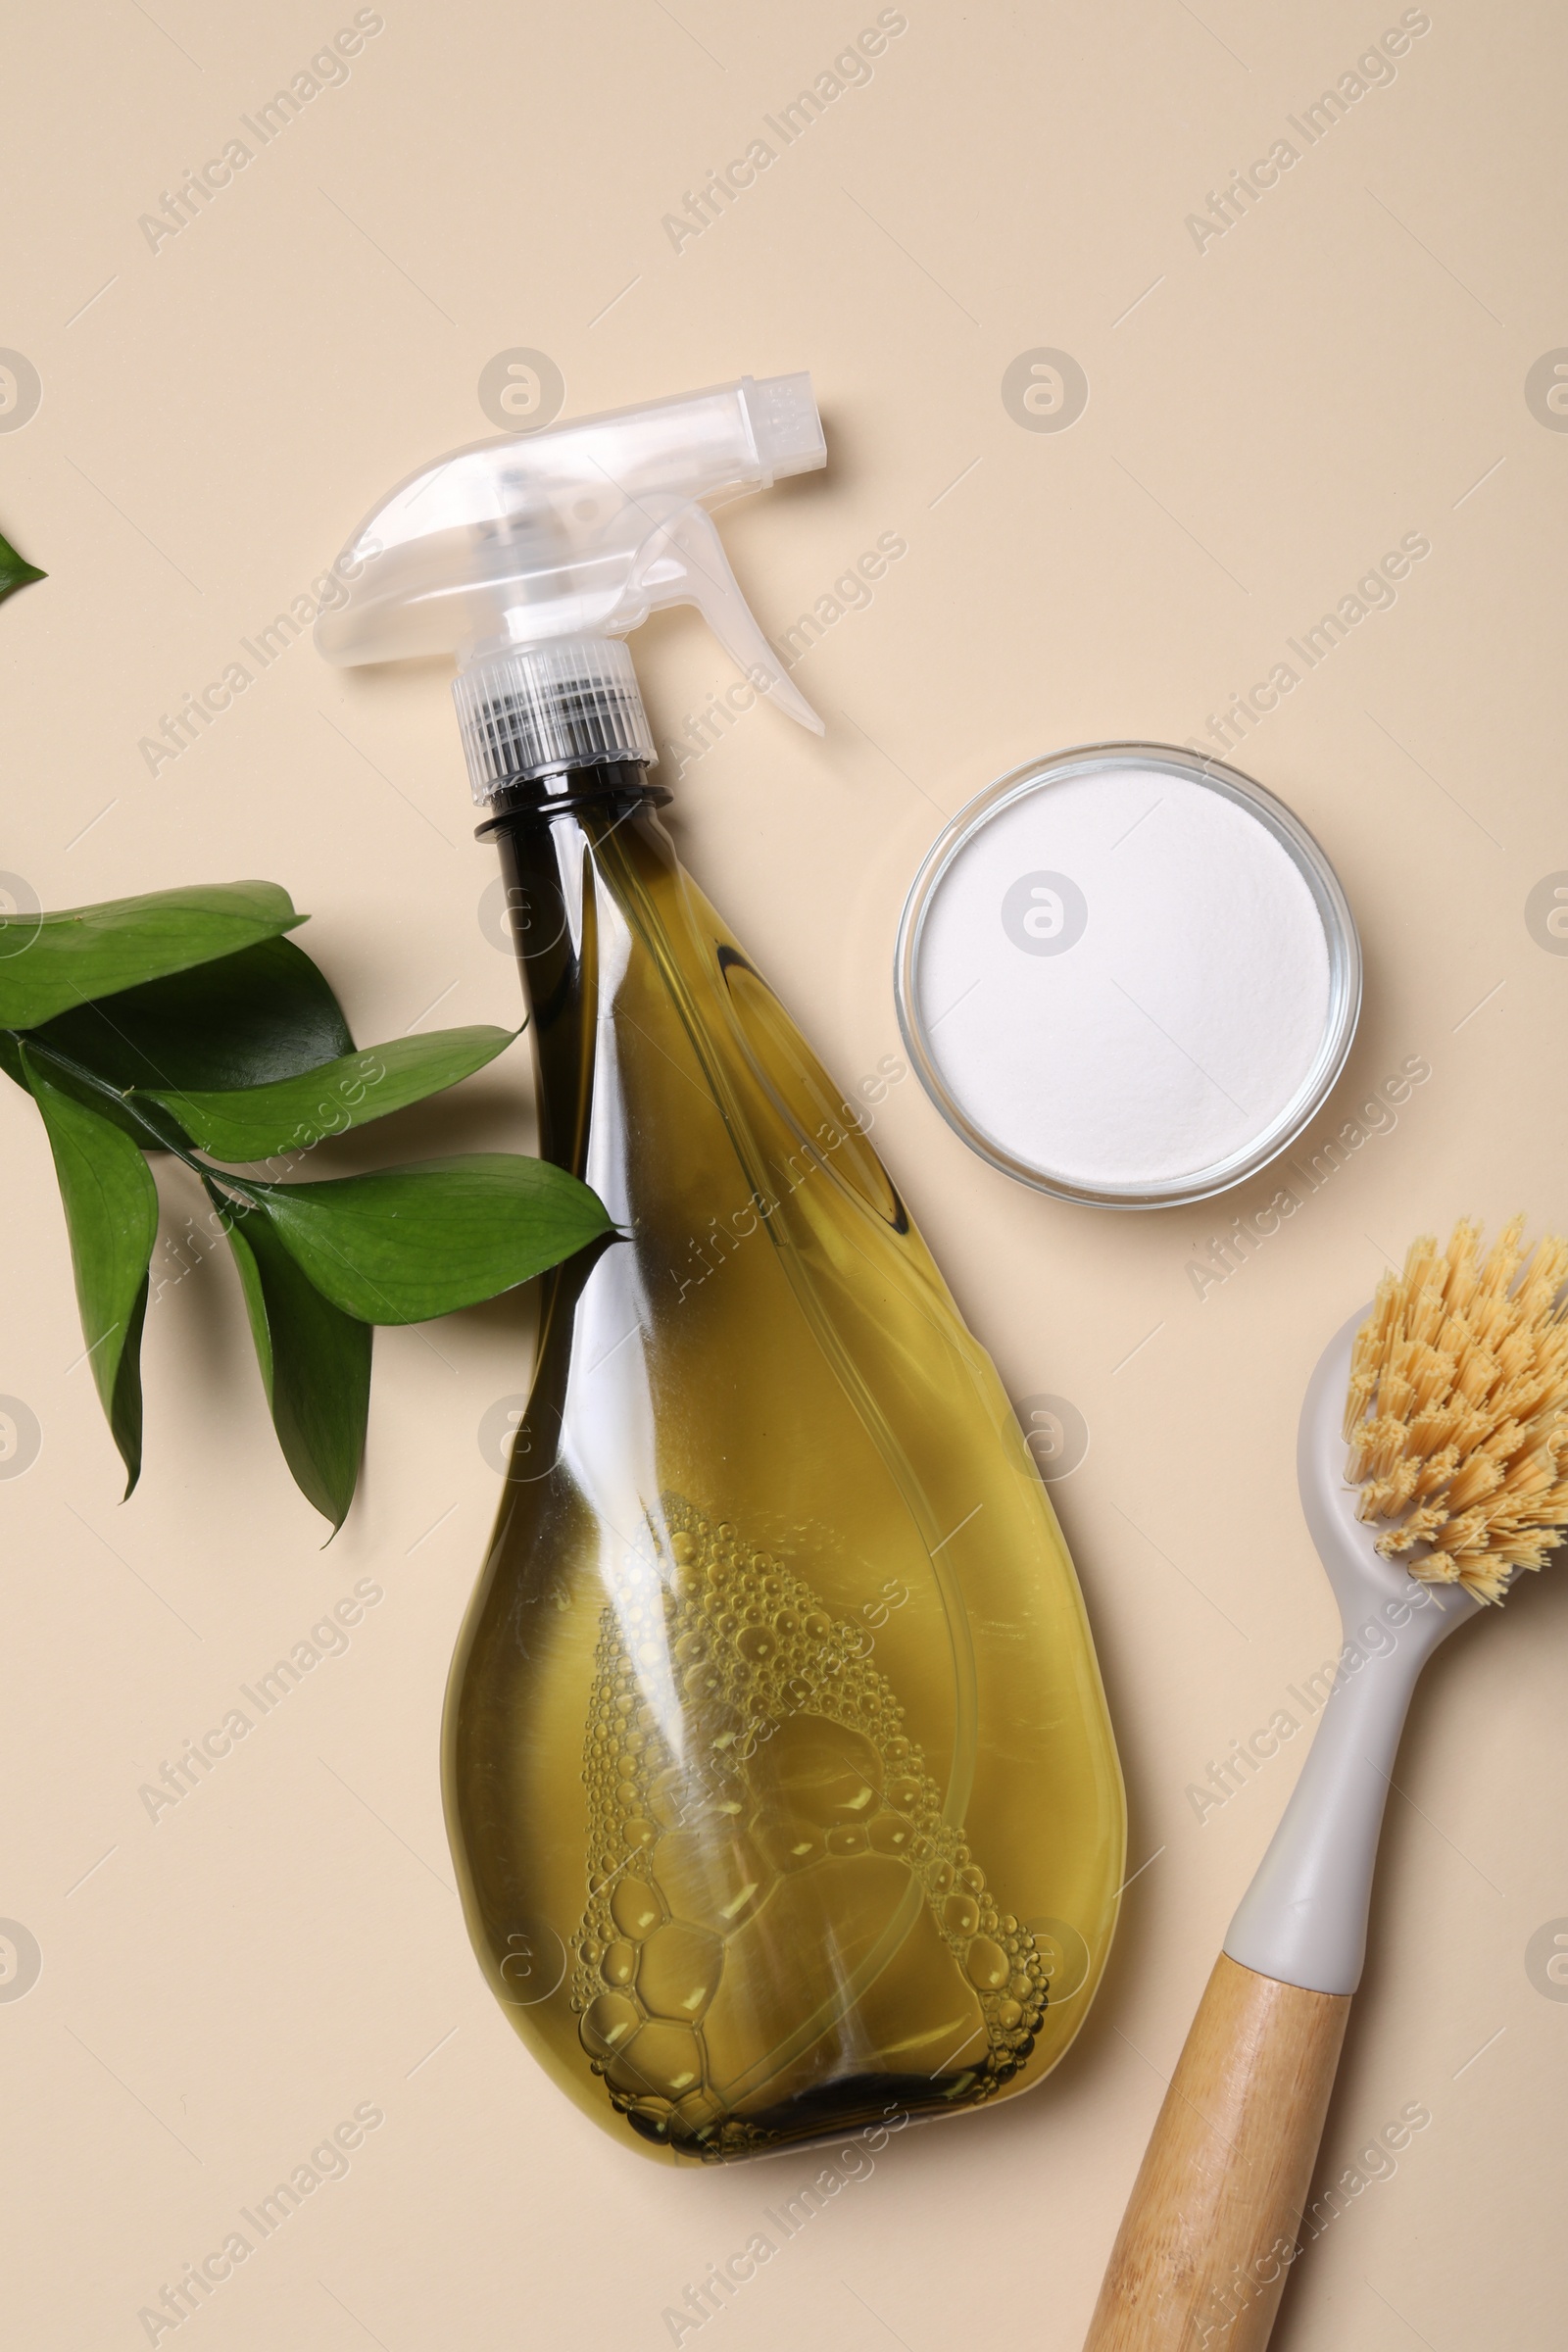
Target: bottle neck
point(545, 830)
point(614, 786)
point(527, 713)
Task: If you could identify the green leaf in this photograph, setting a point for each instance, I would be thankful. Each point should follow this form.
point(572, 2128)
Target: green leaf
point(247, 1019)
point(111, 1209)
point(315, 1364)
point(15, 571)
point(51, 962)
point(407, 1244)
point(296, 1114)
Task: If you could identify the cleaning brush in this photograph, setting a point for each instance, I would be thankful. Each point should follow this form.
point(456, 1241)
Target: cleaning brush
point(1452, 1396)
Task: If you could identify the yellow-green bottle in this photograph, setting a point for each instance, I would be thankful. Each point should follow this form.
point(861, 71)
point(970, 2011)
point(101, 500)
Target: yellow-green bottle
point(777, 1766)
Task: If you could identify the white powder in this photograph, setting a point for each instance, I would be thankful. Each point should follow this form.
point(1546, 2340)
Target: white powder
point(1123, 979)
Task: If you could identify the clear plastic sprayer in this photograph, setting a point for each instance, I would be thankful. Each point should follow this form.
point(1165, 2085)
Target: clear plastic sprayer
point(531, 559)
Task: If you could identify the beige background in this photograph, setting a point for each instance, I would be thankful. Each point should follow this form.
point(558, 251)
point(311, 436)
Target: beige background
point(1265, 419)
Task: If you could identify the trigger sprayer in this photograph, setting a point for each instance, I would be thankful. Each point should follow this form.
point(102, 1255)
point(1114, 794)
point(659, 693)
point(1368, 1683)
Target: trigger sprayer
point(532, 558)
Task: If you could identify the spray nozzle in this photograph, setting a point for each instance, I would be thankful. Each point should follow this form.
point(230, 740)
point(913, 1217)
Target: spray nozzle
point(530, 559)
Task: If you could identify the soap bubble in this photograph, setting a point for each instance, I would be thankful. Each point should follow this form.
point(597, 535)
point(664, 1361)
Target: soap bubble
point(792, 1792)
point(1064, 1956)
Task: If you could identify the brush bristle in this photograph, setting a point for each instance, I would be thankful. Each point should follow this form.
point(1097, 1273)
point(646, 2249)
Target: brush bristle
point(1457, 1415)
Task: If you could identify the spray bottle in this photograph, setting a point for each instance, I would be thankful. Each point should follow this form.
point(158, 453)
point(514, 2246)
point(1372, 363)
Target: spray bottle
point(777, 1768)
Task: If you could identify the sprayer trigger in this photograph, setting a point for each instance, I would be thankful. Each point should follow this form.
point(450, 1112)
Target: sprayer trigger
point(683, 563)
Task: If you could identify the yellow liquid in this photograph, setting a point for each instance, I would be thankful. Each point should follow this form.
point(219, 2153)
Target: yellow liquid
point(778, 1774)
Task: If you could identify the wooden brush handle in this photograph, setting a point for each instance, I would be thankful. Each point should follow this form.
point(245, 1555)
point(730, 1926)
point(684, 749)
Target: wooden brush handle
point(1214, 2221)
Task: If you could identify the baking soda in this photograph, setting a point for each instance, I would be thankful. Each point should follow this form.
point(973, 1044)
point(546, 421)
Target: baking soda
point(1124, 980)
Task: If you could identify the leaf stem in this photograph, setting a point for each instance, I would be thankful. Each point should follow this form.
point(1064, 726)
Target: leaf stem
point(175, 1143)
